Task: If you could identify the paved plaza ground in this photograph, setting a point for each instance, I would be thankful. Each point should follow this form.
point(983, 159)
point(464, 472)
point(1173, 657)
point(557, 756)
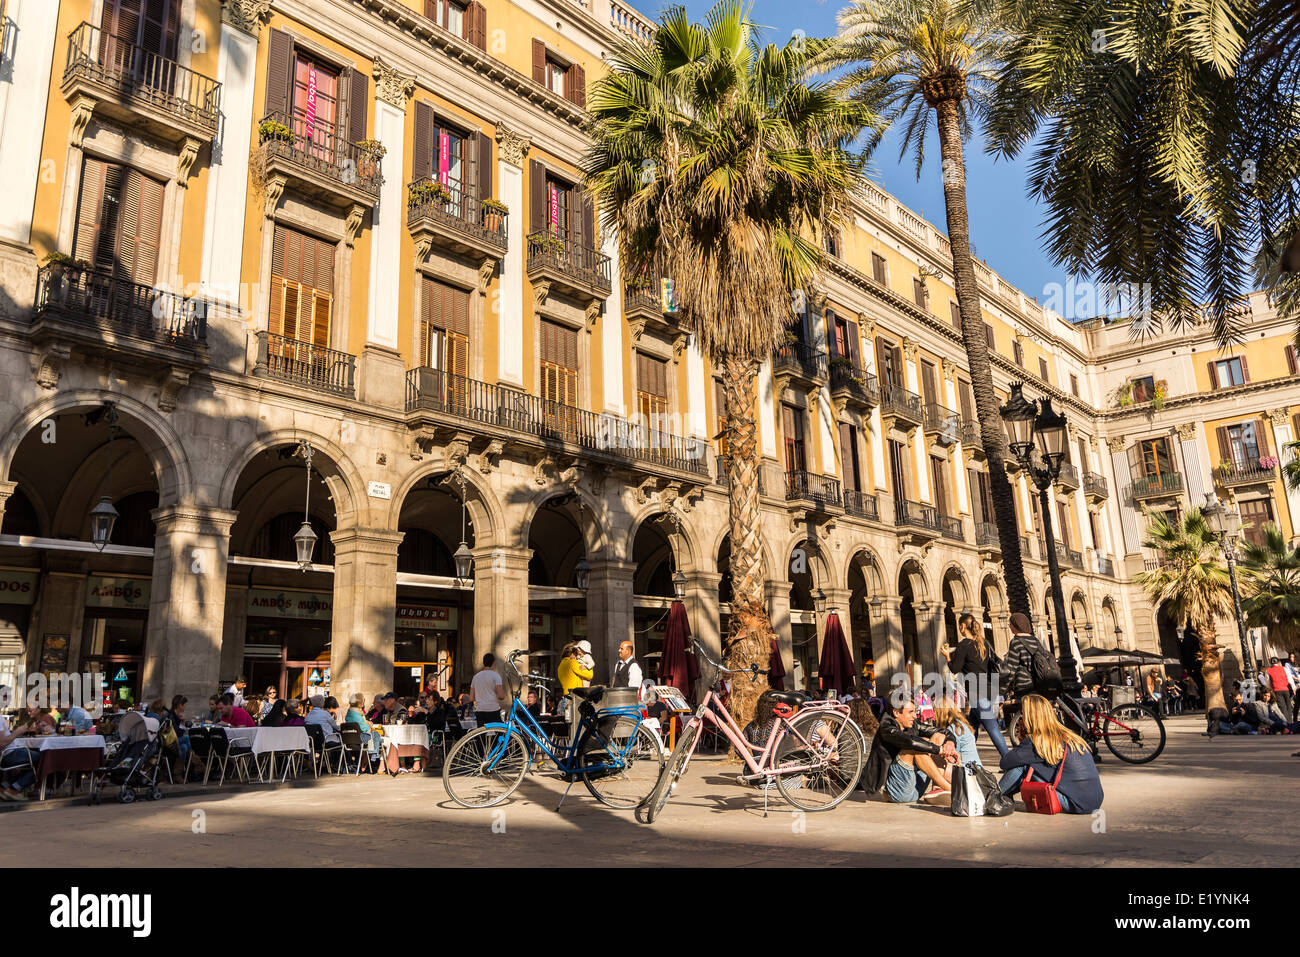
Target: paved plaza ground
point(1225, 802)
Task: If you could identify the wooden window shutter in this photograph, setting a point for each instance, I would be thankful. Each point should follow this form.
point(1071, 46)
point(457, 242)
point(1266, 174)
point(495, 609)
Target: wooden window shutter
point(160, 27)
point(537, 195)
point(588, 222)
point(1225, 445)
point(1214, 375)
point(989, 336)
point(847, 472)
point(1136, 466)
point(476, 25)
point(576, 78)
point(928, 388)
point(422, 161)
point(854, 347)
point(108, 249)
point(954, 313)
point(431, 11)
point(147, 239)
point(320, 318)
point(881, 351)
point(1262, 428)
point(90, 209)
point(539, 61)
point(484, 166)
point(1291, 360)
point(964, 396)
point(278, 72)
point(129, 226)
point(358, 105)
point(900, 370)
point(1245, 370)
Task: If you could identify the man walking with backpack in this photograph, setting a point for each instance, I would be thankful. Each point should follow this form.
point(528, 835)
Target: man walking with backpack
point(1028, 668)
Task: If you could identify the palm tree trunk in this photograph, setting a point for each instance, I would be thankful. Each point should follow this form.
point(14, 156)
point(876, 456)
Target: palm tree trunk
point(749, 640)
point(1211, 674)
point(992, 433)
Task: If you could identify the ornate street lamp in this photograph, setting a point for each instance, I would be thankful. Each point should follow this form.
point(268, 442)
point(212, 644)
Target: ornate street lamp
point(679, 585)
point(1035, 426)
point(104, 516)
point(463, 557)
point(305, 540)
point(582, 573)
point(1225, 523)
point(819, 601)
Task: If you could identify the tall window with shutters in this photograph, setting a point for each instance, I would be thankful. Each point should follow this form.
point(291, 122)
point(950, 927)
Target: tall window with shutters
point(1225, 373)
point(325, 105)
point(1241, 446)
point(119, 219)
point(459, 160)
point(720, 416)
point(465, 20)
point(1151, 461)
point(563, 210)
point(559, 375)
point(652, 390)
point(849, 463)
point(445, 336)
point(879, 269)
point(138, 38)
point(939, 481)
point(302, 287)
point(792, 429)
point(889, 363)
point(561, 77)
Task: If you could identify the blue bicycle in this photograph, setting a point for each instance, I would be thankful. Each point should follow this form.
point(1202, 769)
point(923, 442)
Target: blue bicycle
point(614, 753)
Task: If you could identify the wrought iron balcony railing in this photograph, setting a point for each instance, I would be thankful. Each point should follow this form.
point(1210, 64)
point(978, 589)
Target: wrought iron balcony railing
point(1095, 486)
point(132, 72)
point(98, 300)
point(902, 405)
point(986, 535)
point(854, 383)
point(1105, 567)
point(302, 363)
point(951, 528)
point(581, 267)
point(320, 158)
point(1244, 473)
point(433, 390)
point(800, 359)
point(969, 432)
point(915, 515)
point(861, 504)
point(1154, 486)
point(479, 224)
point(1069, 477)
point(943, 421)
point(811, 487)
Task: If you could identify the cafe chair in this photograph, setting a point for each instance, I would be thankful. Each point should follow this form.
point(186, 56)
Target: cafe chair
point(321, 751)
point(238, 755)
point(200, 752)
point(354, 748)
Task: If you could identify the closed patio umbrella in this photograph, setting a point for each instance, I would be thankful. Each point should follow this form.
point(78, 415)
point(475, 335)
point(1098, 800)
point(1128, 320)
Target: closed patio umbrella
point(775, 668)
point(678, 666)
point(836, 667)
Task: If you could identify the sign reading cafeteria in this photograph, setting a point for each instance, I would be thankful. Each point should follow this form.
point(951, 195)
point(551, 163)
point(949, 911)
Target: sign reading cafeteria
point(269, 603)
point(434, 617)
point(117, 592)
point(17, 588)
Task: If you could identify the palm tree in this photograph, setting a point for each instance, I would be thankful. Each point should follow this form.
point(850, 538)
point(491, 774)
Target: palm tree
point(1167, 144)
point(910, 61)
point(718, 160)
point(1271, 573)
point(1195, 585)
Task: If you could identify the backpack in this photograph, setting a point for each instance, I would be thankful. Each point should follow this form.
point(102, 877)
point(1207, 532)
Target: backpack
point(1043, 668)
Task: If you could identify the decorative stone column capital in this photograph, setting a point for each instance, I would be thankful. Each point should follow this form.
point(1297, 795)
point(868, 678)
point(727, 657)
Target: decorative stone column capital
point(1116, 443)
point(246, 15)
point(1279, 416)
point(1186, 431)
point(948, 369)
point(909, 349)
point(391, 86)
point(513, 145)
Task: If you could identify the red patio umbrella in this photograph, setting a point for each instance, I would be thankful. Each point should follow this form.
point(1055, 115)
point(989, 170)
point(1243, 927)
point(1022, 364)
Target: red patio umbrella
point(836, 667)
point(678, 666)
point(775, 668)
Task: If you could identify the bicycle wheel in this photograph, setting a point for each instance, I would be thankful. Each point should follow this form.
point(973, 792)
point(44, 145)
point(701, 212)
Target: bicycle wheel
point(485, 767)
point(671, 773)
point(1133, 733)
point(834, 757)
point(631, 785)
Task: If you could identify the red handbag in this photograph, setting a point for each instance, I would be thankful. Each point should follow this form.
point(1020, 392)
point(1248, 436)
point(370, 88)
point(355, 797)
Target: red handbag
point(1039, 796)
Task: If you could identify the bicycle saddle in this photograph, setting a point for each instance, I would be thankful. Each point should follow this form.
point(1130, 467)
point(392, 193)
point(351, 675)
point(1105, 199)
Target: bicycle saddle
point(592, 694)
point(793, 698)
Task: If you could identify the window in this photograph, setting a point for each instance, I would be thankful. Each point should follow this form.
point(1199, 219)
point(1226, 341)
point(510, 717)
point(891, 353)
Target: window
point(1225, 373)
point(720, 416)
point(898, 469)
point(929, 387)
point(833, 244)
point(1063, 524)
point(651, 388)
point(1082, 461)
point(954, 313)
point(1255, 515)
point(1292, 365)
point(119, 219)
point(989, 337)
point(849, 457)
point(1018, 353)
point(981, 496)
point(792, 427)
point(1151, 459)
point(458, 159)
point(940, 485)
point(1241, 446)
point(568, 80)
point(150, 25)
point(889, 363)
point(1042, 370)
point(562, 209)
point(559, 374)
point(314, 106)
point(323, 104)
point(302, 287)
point(1074, 385)
point(918, 291)
point(556, 74)
point(465, 20)
point(967, 400)
point(878, 269)
point(1144, 388)
point(444, 328)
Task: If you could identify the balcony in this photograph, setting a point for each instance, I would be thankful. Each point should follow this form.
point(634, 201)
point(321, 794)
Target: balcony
point(448, 219)
point(901, 408)
point(643, 308)
point(317, 161)
point(1069, 477)
point(568, 267)
point(800, 364)
point(943, 423)
point(969, 433)
point(1105, 567)
point(724, 479)
point(1237, 474)
point(855, 386)
point(140, 88)
point(1068, 558)
point(130, 323)
point(861, 505)
point(435, 399)
point(1095, 487)
point(304, 364)
point(1156, 486)
point(821, 491)
point(986, 537)
point(917, 517)
point(952, 528)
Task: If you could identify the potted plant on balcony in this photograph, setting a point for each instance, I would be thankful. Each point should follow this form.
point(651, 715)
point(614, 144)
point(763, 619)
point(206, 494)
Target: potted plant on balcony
point(427, 193)
point(370, 152)
point(1122, 397)
point(274, 131)
point(1159, 394)
point(1269, 462)
point(493, 212)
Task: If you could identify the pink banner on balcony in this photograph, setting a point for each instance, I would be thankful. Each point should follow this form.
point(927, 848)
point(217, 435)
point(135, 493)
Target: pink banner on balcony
point(444, 147)
point(310, 111)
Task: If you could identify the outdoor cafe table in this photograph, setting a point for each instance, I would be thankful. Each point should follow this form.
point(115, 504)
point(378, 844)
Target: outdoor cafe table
point(271, 741)
point(64, 752)
point(404, 741)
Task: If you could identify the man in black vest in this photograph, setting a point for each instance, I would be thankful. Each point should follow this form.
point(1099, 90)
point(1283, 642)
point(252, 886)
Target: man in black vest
point(627, 673)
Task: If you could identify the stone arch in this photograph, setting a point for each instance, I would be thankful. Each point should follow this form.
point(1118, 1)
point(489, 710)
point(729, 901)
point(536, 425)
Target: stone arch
point(480, 499)
point(872, 568)
point(765, 554)
point(914, 569)
point(684, 539)
point(587, 517)
point(155, 435)
point(954, 576)
point(824, 575)
point(341, 477)
point(991, 595)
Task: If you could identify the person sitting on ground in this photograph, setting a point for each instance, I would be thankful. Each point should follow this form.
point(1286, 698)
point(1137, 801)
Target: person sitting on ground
point(949, 719)
point(394, 713)
point(1240, 713)
point(325, 717)
point(231, 715)
point(1271, 717)
point(293, 716)
point(1046, 744)
point(916, 755)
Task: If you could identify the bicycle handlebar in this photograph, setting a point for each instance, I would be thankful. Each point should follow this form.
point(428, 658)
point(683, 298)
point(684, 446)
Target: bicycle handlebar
point(753, 670)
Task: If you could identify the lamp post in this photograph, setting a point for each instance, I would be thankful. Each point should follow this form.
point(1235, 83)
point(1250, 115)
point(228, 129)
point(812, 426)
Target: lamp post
point(104, 516)
point(463, 557)
point(679, 585)
point(582, 573)
point(1036, 427)
point(1225, 523)
point(305, 539)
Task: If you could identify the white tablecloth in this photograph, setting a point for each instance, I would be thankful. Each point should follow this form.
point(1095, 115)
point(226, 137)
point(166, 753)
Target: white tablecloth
point(407, 734)
point(58, 742)
point(263, 740)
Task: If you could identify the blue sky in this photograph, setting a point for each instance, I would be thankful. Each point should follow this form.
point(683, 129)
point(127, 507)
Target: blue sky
point(1005, 223)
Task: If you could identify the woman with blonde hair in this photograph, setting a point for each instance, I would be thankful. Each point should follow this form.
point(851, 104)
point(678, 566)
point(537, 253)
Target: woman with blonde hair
point(948, 717)
point(1048, 746)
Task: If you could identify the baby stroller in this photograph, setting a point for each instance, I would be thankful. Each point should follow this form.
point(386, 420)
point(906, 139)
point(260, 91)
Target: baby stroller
point(138, 761)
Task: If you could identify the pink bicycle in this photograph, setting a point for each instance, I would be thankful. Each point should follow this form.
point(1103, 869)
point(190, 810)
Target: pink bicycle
point(814, 751)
